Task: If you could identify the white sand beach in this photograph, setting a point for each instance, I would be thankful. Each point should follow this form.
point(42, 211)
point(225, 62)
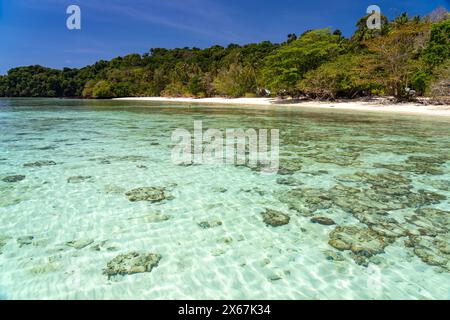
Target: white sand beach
point(375, 106)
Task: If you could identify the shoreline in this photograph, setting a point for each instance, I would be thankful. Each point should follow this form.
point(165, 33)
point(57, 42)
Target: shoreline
point(372, 106)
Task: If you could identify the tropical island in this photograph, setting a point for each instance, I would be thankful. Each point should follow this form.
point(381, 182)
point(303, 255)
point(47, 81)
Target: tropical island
point(407, 59)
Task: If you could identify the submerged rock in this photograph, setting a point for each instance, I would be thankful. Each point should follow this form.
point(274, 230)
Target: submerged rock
point(24, 241)
point(289, 166)
point(323, 221)
point(113, 189)
point(129, 158)
point(306, 201)
point(48, 265)
point(275, 218)
point(333, 255)
point(344, 159)
point(80, 244)
point(78, 179)
point(220, 190)
point(428, 221)
point(153, 217)
point(12, 179)
point(427, 160)
point(152, 194)
point(131, 263)
point(434, 251)
point(41, 163)
point(3, 241)
point(209, 224)
point(362, 242)
point(443, 185)
point(289, 181)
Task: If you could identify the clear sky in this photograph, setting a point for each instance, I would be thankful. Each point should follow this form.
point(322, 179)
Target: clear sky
point(34, 31)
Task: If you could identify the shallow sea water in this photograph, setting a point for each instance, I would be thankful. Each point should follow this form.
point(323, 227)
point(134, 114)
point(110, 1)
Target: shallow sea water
point(122, 146)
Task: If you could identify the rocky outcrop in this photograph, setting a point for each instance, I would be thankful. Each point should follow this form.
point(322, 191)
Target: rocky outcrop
point(131, 263)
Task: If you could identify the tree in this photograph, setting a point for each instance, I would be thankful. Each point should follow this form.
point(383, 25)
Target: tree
point(401, 20)
point(348, 76)
point(102, 90)
point(438, 46)
point(363, 33)
point(439, 14)
point(235, 81)
point(395, 53)
point(195, 86)
point(284, 68)
point(291, 37)
point(440, 86)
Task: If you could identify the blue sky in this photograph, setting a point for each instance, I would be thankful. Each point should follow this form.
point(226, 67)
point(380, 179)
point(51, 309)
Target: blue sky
point(34, 31)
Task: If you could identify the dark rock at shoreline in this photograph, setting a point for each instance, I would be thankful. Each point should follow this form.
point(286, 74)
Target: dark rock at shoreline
point(12, 179)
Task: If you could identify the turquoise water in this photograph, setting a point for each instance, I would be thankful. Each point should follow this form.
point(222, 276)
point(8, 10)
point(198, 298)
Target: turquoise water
point(381, 180)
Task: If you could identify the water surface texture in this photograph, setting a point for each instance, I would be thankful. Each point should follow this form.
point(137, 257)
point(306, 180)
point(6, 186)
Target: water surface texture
point(359, 208)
